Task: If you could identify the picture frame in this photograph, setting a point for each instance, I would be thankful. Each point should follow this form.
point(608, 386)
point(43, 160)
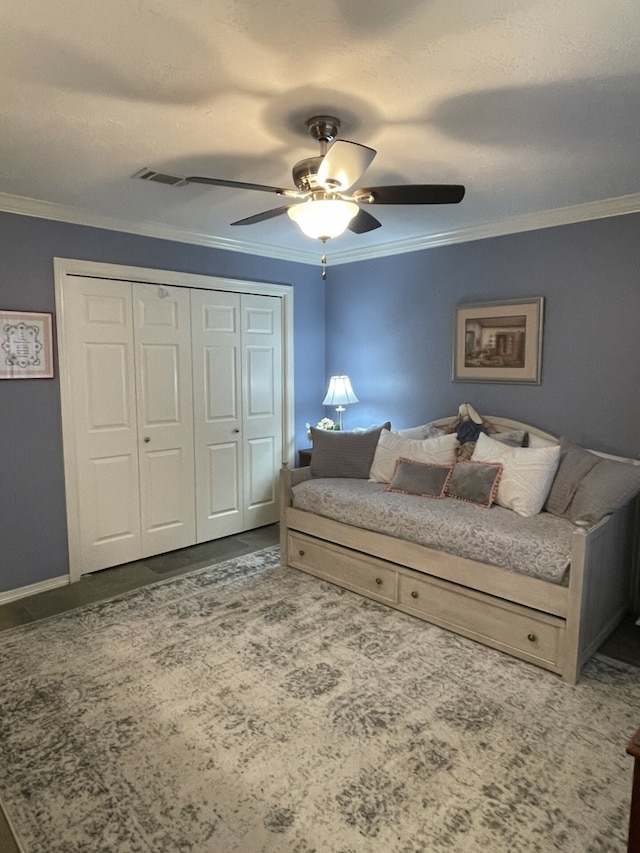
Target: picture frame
point(499, 341)
point(26, 345)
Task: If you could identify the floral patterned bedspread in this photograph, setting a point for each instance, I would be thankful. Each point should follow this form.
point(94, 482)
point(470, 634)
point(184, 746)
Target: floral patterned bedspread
point(539, 546)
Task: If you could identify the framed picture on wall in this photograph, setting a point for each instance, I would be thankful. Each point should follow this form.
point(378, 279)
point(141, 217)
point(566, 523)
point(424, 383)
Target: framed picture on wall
point(498, 341)
point(26, 345)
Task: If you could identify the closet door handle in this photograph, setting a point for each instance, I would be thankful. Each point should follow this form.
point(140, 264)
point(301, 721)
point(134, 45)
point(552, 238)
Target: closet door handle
point(147, 439)
point(236, 430)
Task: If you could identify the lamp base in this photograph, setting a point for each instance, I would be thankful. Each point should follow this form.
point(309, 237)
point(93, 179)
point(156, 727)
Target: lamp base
point(340, 410)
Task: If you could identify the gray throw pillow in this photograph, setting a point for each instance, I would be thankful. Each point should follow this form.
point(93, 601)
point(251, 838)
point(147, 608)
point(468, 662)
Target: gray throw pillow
point(607, 486)
point(419, 478)
point(344, 454)
point(575, 464)
point(475, 482)
point(421, 432)
point(512, 437)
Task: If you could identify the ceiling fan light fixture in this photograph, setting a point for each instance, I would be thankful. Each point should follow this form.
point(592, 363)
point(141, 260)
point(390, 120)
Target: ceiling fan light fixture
point(323, 219)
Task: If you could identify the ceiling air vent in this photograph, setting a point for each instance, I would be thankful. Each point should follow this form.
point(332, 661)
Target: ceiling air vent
point(159, 177)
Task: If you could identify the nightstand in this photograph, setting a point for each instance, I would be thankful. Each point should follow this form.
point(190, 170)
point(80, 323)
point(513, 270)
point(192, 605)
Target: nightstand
point(304, 457)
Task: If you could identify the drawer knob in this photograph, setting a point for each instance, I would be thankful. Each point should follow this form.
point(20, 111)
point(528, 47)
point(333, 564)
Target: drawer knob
point(414, 594)
point(532, 638)
point(301, 553)
point(379, 581)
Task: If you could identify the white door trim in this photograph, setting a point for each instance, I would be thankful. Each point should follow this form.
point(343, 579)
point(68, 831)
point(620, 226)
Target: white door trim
point(70, 267)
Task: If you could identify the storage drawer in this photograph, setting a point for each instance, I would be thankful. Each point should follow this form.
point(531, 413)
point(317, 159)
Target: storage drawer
point(523, 632)
point(366, 575)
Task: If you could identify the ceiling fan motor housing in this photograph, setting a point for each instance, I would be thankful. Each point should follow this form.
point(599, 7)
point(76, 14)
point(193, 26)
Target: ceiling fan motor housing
point(305, 173)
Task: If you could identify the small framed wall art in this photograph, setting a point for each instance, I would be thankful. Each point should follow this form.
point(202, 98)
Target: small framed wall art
point(26, 345)
point(499, 341)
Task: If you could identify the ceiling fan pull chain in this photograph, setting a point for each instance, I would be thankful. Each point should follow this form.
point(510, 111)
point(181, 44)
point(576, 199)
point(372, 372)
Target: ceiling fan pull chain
point(323, 261)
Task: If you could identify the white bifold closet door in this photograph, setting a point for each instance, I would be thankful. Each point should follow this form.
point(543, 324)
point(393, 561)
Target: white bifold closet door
point(174, 427)
point(128, 355)
point(237, 376)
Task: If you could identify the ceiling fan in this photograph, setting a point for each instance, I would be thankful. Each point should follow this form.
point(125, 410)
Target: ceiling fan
point(324, 205)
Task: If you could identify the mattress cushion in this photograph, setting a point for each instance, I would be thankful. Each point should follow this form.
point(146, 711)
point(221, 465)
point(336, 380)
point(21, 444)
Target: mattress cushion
point(538, 546)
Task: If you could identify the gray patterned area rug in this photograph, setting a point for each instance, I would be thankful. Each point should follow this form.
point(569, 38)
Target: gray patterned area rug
point(245, 707)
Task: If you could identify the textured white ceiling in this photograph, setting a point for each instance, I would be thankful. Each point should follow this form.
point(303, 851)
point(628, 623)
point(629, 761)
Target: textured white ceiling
point(533, 105)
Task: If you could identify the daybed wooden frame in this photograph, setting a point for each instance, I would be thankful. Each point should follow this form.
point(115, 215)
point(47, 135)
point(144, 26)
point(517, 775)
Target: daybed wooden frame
point(556, 627)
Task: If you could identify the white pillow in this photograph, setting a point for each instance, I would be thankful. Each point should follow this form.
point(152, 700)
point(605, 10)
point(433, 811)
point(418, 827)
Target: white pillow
point(440, 451)
point(527, 474)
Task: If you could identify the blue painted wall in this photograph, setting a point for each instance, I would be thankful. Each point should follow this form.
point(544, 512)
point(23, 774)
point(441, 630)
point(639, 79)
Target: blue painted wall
point(33, 533)
point(389, 327)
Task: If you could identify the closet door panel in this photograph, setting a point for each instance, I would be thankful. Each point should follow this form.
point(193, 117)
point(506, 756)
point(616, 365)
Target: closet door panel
point(262, 407)
point(99, 334)
point(216, 333)
point(108, 404)
point(114, 501)
point(165, 417)
point(220, 386)
point(165, 507)
point(224, 466)
point(261, 379)
point(261, 491)
point(160, 393)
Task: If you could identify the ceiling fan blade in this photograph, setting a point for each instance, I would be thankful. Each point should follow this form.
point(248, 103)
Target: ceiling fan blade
point(411, 194)
point(343, 164)
point(362, 222)
point(242, 185)
point(261, 217)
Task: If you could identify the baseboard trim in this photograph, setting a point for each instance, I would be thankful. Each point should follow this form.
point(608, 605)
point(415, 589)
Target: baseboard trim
point(33, 589)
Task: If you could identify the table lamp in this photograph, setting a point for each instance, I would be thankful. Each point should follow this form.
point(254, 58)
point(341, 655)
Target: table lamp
point(339, 394)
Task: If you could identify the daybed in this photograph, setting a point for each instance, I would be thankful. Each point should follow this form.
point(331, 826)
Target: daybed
point(554, 612)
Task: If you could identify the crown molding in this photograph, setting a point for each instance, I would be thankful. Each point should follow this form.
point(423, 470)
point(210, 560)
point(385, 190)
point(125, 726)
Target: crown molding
point(83, 216)
point(514, 225)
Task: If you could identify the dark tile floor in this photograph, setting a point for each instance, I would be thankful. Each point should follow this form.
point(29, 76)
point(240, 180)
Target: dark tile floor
point(98, 586)
point(624, 643)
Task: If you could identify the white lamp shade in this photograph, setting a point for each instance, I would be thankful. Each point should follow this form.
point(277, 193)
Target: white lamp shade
point(339, 392)
point(323, 218)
